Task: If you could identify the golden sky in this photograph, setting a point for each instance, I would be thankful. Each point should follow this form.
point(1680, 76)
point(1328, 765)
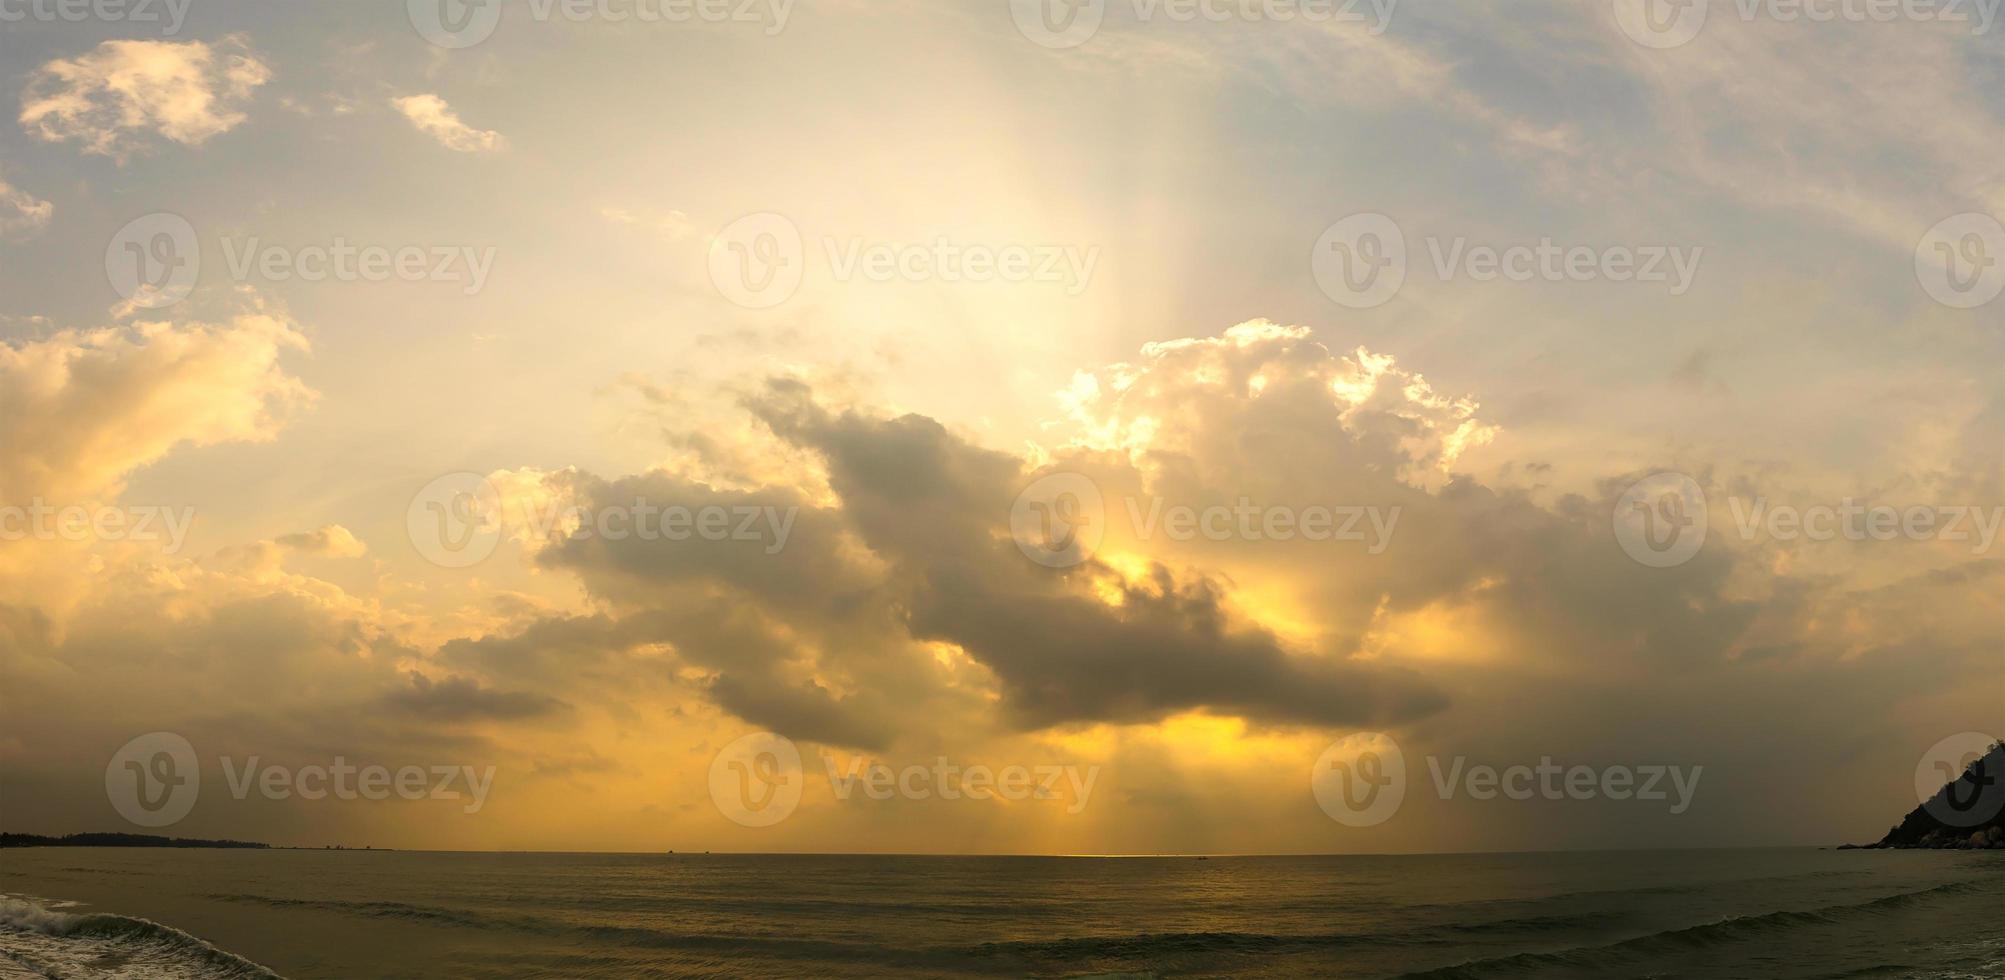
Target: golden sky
point(890, 287)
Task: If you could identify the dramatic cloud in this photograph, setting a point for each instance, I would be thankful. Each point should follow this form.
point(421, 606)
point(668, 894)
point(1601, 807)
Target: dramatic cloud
point(435, 118)
point(81, 409)
point(114, 99)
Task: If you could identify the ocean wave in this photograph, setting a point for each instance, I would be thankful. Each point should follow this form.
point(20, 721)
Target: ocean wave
point(99, 944)
point(1144, 945)
point(1729, 930)
point(1127, 946)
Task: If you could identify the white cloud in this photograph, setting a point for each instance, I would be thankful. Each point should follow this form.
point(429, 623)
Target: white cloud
point(433, 116)
point(120, 93)
point(82, 409)
point(22, 215)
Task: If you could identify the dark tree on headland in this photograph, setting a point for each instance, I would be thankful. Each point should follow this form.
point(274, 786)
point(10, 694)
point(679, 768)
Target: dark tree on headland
point(1966, 814)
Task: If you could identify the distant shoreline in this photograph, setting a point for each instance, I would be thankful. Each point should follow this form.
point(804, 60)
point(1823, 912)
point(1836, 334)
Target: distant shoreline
point(150, 840)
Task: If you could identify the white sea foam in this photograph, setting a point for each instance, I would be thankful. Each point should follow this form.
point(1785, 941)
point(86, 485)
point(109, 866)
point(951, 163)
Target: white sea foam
point(45, 942)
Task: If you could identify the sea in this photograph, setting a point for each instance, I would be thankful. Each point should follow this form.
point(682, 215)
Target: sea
point(1786, 913)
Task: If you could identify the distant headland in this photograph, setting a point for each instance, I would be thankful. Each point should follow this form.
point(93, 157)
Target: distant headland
point(1968, 813)
point(118, 840)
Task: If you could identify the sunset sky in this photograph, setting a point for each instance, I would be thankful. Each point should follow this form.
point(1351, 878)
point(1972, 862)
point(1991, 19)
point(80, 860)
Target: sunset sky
point(573, 179)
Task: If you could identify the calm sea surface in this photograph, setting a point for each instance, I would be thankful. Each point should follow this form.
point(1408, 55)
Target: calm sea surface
point(1701, 914)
